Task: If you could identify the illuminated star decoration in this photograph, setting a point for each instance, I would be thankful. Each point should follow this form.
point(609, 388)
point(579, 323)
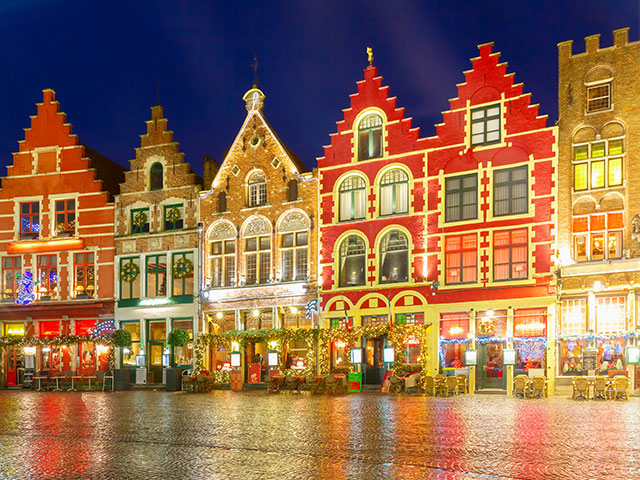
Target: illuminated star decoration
point(26, 289)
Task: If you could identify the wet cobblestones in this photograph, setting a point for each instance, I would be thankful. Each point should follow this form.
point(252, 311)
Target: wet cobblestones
point(253, 435)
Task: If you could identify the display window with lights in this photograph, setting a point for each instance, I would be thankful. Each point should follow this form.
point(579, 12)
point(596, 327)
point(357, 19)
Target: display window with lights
point(454, 330)
point(530, 330)
point(11, 274)
point(86, 350)
point(84, 274)
point(339, 358)
point(128, 355)
point(47, 277)
point(295, 317)
point(49, 355)
point(183, 356)
point(294, 355)
point(410, 354)
point(221, 357)
point(257, 319)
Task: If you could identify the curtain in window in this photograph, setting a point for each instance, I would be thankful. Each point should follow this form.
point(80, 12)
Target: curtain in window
point(402, 197)
point(386, 199)
point(359, 203)
point(345, 205)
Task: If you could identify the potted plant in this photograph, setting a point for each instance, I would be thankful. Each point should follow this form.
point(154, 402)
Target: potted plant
point(122, 338)
point(178, 338)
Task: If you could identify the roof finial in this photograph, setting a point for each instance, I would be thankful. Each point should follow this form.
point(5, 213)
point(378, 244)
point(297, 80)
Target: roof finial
point(370, 55)
point(254, 66)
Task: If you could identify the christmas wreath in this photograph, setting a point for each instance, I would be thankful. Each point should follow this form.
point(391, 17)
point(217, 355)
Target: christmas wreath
point(129, 272)
point(182, 268)
point(487, 326)
point(140, 219)
point(173, 215)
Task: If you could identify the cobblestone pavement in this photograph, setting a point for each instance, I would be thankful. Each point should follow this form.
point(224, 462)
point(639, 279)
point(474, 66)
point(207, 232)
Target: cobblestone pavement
point(254, 435)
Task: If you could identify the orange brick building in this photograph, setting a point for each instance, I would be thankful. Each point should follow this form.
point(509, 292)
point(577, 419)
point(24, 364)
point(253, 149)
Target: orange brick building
point(56, 222)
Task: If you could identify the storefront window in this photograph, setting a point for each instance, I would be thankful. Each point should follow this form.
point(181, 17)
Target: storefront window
point(129, 355)
point(571, 356)
point(530, 354)
point(452, 354)
point(530, 322)
point(339, 354)
point(183, 356)
point(411, 352)
point(491, 323)
point(610, 354)
point(454, 328)
point(222, 358)
point(295, 355)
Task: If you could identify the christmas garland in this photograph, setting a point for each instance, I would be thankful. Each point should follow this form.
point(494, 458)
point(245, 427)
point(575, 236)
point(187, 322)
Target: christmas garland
point(173, 215)
point(182, 268)
point(140, 219)
point(129, 271)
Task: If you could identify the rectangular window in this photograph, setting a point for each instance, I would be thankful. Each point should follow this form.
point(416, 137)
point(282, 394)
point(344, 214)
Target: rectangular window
point(287, 265)
point(130, 275)
point(409, 319)
point(258, 262)
point(294, 256)
point(183, 273)
point(597, 174)
point(461, 256)
point(183, 356)
point(461, 198)
point(375, 320)
point(510, 255)
point(47, 276)
point(580, 176)
point(611, 315)
point(11, 273)
point(597, 236)
point(530, 322)
point(223, 261)
point(574, 317)
point(454, 325)
point(510, 191)
point(84, 267)
point(139, 220)
point(615, 172)
point(65, 218)
point(599, 98)
point(129, 359)
point(485, 125)
point(600, 164)
point(156, 276)
point(29, 220)
point(173, 217)
point(252, 268)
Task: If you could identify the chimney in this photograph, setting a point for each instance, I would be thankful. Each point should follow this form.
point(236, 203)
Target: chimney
point(592, 43)
point(210, 169)
point(621, 37)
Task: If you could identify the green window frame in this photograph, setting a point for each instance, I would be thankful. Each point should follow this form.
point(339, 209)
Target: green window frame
point(129, 287)
point(137, 229)
point(156, 177)
point(176, 350)
point(156, 270)
point(182, 286)
point(178, 224)
point(134, 349)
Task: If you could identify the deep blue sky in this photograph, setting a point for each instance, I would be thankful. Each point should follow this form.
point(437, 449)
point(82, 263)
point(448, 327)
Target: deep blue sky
point(105, 59)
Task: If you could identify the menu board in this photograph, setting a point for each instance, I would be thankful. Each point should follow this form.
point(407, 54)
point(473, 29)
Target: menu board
point(589, 359)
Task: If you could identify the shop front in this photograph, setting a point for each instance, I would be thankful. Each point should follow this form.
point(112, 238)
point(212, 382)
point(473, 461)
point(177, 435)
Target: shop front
point(530, 341)
point(374, 367)
point(454, 341)
point(491, 328)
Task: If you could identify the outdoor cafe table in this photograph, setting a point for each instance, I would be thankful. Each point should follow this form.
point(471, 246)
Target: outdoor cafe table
point(73, 389)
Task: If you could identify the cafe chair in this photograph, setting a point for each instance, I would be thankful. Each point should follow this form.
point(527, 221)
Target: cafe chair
point(580, 388)
point(396, 384)
point(430, 385)
point(600, 388)
point(620, 388)
point(450, 386)
point(538, 386)
point(108, 376)
point(462, 383)
point(520, 386)
point(291, 384)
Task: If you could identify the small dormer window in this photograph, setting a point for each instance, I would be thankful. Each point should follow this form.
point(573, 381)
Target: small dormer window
point(156, 176)
point(370, 137)
point(485, 125)
point(257, 189)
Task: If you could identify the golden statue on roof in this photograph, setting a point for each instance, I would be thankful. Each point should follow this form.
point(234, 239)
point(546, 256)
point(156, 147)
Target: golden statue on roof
point(370, 55)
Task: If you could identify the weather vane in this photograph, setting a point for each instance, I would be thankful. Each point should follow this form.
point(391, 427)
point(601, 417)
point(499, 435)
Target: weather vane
point(254, 66)
point(370, 55)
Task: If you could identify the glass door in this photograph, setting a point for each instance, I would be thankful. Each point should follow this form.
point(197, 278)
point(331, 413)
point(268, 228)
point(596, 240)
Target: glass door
point(14, 365)
point(256, 362)
point(373, 367)
point(155, 346)
point(490, 367)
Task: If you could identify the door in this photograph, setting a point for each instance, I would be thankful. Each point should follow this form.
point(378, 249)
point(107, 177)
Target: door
point(490, 367)
point(373, 367)
point(255, 361)
point(155, 346)
point(14, 366)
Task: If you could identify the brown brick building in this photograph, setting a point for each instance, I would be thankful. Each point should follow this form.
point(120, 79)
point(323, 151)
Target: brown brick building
point(260, 251)
point(156, 237)
point(598, 204)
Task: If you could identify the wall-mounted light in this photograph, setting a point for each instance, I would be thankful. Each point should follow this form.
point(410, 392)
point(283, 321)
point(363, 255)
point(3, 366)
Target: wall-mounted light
point(256, 313)
point(294, 310)
point(219, 315)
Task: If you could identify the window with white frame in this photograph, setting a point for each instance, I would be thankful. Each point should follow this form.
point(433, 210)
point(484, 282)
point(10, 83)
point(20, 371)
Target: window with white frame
point(258, 259)
point(598, 164)
point(510, 196)
point(257, 194)
point(599, 97)
point(294, 251)
point(353, 196)
point(574, 316)
point(370, 137)
point(394, 192)
point(485, 125)
point(223, 262)
point(597, 236)
point(611, 314)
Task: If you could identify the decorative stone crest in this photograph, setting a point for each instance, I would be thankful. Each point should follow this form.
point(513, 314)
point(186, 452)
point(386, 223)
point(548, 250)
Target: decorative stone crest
point(257, 226)
point(635, 228)
point(294, 221)
point(222, 230)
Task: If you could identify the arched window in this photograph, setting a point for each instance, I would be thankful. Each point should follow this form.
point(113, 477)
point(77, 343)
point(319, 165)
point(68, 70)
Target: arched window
point(394, 258)
point(352, 262)
point(394, 192)
point(257, 189)
point(222, 255)
point(156, 176)
point(353, 196)
point(370, 137)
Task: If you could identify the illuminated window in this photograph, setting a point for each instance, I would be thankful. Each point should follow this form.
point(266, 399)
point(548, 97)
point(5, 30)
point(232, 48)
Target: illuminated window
point(129, 278)
point(599, 98)
point(409, 319)
point(257, 189)
point(485, 125)
point(574, 317)
point(598, 164)
point(47, 276)
point(530, 322)
point(370, 137)
point(461, 198)
point(352, 262)
point(258, 259)
point(139, 220)
point(394, 258)
point(183, 273)
point(510, 255)
point(353, 195)
point(510, 196)
point(156, 176)
point(29, 220)
point(11, 273)
point(454, 325)
point(394, 192)
point(128, 358)
point(294, 254)
point(156, 276)
point(461, 257)
point(223, 263)
point(610, 315)
point(65, 218)
point(183, 356)
point(173, 217)
point(597, 236)
point(84, 267)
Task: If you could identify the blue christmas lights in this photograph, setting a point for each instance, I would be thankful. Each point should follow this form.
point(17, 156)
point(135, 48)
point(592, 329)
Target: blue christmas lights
point(26, 289)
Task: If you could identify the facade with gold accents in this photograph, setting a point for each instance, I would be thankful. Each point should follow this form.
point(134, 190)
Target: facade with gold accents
point(259, 253)
point(598, 206)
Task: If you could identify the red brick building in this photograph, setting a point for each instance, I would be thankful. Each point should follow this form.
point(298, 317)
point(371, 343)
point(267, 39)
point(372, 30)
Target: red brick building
point(372, 206)
point(56, 222)
point(490, 227)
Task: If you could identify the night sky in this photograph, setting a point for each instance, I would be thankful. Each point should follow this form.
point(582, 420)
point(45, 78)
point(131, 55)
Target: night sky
point(106, 61)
